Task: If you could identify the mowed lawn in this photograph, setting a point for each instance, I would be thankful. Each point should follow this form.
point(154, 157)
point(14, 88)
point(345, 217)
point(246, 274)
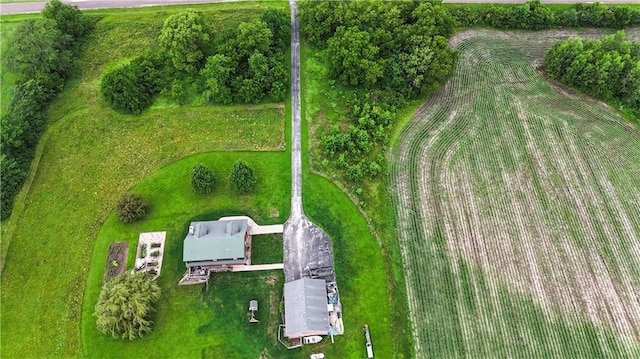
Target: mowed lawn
point(517, 204)
point(325, 103)
point(193, 321)
point(90, 155)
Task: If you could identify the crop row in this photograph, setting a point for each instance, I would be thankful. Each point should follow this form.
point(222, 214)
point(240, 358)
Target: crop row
point(515, 204)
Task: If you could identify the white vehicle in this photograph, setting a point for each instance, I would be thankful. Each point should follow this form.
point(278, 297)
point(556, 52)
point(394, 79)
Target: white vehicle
point(312, 339)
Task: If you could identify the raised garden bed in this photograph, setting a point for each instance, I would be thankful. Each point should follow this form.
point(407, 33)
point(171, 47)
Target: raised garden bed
point(149, 252)
point(116, 260)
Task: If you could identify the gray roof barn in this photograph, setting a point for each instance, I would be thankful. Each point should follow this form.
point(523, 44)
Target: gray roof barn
point(305, 308)
point(215, 242)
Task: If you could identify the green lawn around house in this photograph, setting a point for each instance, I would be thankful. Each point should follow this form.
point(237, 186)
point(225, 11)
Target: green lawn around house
point(187, 321)
point(192, 320)
point(55, 244)
point(87, 158)
point(323, 104)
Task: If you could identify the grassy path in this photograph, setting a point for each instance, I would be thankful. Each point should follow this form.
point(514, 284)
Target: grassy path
point(516, 208)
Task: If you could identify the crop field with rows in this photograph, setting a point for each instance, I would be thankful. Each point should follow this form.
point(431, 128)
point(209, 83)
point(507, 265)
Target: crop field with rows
point(517, 205)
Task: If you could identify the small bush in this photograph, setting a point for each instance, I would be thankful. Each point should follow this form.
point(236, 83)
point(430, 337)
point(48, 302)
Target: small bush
point(203, 178)
point(143, 251)
point(177, 92)
point(131, 208)
point(243, 177)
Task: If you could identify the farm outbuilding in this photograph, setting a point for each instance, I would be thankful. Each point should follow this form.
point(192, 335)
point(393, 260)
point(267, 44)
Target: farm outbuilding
point(305, 308)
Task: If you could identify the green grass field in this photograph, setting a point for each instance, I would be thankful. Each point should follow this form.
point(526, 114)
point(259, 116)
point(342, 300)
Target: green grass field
point(191, 320)
point(323, 103)
point(517, 206)
point(58, 236)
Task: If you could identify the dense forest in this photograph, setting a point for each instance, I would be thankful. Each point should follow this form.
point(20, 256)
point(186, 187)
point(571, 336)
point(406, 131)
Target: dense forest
point(387, 52)
point(608, 69)
point(42, 55)
point(234, 65)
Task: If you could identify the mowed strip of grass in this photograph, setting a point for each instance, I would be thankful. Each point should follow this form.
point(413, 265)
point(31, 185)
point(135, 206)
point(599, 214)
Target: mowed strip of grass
point(89, 156)
point(323, 104)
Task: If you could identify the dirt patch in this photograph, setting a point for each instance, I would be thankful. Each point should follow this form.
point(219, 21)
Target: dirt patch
point(116, 260)
point(274, 213)
point(264, 354)
point(271, 280)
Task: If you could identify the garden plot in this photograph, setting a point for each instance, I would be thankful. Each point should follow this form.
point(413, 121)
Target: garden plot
point(150, 253)
point(517, 211)
point(116, 260)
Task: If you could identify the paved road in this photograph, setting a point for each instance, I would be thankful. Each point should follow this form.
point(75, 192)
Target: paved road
point(308, 251)
point(296, 155)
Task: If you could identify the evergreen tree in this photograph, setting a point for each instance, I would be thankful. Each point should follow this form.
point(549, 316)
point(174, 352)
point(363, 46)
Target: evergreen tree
point(202, 178)
point(243, 177)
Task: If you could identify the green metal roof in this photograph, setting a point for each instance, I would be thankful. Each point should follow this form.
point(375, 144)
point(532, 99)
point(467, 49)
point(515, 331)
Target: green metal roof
point(215, 241)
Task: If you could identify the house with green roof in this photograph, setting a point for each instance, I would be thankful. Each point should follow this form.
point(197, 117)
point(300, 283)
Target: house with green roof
point(214, 246)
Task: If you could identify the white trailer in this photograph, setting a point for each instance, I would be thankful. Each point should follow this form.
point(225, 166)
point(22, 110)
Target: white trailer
point(369, 346)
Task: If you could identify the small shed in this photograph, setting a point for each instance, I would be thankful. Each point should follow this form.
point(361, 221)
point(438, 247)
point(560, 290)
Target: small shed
point(253, 305)
point(253, 308)
point(305, 308)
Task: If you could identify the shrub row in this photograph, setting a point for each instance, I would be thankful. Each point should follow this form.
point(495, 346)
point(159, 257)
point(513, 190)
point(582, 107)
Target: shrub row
point(41, 54)
point(534, 15)
point(608, 69)
point(386, 52)
point(358, 151)
point(242, 65)
point(242, 178)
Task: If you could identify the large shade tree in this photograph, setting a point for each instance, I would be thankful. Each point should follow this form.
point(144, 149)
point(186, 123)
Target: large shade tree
point(185, 37)
point(125, 305)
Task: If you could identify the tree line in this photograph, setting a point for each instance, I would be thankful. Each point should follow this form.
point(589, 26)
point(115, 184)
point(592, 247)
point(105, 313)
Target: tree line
point(387, 52)
point(234, 65)
point(608, 69)
point(533, 15)
point(41, 55)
